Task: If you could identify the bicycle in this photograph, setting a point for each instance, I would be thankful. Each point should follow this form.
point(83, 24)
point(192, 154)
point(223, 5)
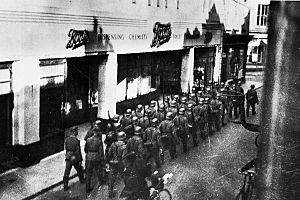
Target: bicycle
point(247, 189)
point(158, 192)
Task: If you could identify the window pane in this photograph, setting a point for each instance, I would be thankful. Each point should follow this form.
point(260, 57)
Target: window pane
point(257, 22)
point(258, 10)
point(261, 21)
point(265, 21)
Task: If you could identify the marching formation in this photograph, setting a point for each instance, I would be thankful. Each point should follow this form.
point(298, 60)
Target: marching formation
point(137, 141)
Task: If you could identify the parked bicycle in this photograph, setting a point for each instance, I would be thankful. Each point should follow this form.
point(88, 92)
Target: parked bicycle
point(247, 189)
point(157, 190)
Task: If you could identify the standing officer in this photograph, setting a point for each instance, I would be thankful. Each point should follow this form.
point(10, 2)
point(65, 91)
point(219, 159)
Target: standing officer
point(114, 158)
point(94, 159)
point(252, 99)
point(160, 114)
point(215, 107)
point(73, 157)
point(191, 123)
point(92, 130)
point(181, 126)
point(168, 134)
point(152, 142)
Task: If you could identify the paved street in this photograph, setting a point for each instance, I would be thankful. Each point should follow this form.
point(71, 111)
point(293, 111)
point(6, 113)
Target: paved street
point(209, 171)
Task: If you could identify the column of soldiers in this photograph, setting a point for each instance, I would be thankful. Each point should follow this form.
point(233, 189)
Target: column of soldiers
point(147, 132)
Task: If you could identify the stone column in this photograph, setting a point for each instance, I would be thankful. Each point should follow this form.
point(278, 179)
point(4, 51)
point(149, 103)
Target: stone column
point(187, 70)
point(108, 71)
point(26, 112)
point(218, 61)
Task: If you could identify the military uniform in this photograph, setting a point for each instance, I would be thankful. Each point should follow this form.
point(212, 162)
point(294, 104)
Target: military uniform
point(252, 99)
point(144, 122)
point(181, 126)
point(201, 118)
point(191, 124)
point(173, 110)
point(94, 159)
point(160, 115)
point(73, 157)
point(135, 144)
point(114, 158)
point(169, 138)
point(152, 137)
point(215, 107)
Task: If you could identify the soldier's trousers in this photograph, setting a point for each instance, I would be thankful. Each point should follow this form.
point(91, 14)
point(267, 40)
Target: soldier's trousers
point(183, 137)
point(193, 132)
point(113, 175)
point(68, 168)
point(253, 108)
point(171, 146)
point(216, 121)
point(201, 126)
point(90, 166)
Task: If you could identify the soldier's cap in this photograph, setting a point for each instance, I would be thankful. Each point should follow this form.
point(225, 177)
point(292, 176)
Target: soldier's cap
point(208, 89)
point(201, 99)
point(176, 96)
point(128, 111)
point(74, 128)
point(173, 103)
point(154, 121)
point(192, 95)
point(98, 122)
point(139, 107)
point(121, 135)
point(161, 107)
point(169, 115)
point(152, 103)
point(181, 111)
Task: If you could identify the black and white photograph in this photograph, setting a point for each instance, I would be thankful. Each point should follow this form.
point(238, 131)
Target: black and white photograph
point(149, 100)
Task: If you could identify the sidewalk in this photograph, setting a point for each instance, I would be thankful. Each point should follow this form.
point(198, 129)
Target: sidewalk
point(28, 183)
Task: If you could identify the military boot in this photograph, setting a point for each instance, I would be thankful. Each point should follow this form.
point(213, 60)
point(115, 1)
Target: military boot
point(66, 181)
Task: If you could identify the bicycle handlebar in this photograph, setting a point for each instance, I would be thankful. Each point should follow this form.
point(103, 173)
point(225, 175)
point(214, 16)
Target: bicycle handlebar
point(248, 172)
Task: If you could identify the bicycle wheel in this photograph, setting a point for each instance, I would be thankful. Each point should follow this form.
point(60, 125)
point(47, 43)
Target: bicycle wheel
point(164, 194)
point(239, 196)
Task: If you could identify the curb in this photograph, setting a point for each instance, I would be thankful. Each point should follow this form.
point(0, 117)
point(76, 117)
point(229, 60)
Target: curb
point(49, 188)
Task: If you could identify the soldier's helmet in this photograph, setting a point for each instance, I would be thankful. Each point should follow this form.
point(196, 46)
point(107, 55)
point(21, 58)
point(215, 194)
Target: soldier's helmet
point(135, 119)
point(152, 103)
point(128, 112)
point(206, 100)
point(173, 103)
point(199, 93)
point(192, 95)
point(181, 111)
point(98, 123)
point(167, 99)
point(150, 112)
point(208, 89)
point(139, 108)
point(190, 106)
point(239, 83)
point(183, 100)
point(201, 101)
point(137, 130)
point(117, 125)
point(154, 122)
point(116, 118)
point(176, 97)
point(169, 115)
point(162, 107)
point(121, 136)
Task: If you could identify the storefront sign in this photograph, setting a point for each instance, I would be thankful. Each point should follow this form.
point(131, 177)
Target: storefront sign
point(162, 34)
point(77, 38)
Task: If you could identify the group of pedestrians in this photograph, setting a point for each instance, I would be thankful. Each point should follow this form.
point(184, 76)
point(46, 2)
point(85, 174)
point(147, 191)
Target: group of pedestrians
point(136, 141)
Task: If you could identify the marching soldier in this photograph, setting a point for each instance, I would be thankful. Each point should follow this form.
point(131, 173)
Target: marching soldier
point(181, 126)
point(191, 123)
point(168, 135)
point(173, 109)
point(252, 99)
point(201, 117)
point(183, 103)
point(215, 107)
point(73, 157)
point(92, 130)
point(223, 98)
point(94, 159)
point(167, 102)
point(111, 136)
point(114, 158)
point(138, 112)
point(240, 99)
point(152, 142)
point(135, 143)
point(151, 110)
point(161, 114)
point(144, 122)
point(126, 123)
point(192, 99)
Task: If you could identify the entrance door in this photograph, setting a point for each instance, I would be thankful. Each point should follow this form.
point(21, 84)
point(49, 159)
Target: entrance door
point(6, 102)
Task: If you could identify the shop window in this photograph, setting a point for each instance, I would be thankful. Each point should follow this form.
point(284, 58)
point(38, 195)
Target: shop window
point(262, 14)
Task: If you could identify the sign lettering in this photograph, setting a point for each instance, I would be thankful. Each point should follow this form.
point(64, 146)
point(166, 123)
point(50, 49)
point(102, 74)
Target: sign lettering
point(162, 34)
point(77, 38)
